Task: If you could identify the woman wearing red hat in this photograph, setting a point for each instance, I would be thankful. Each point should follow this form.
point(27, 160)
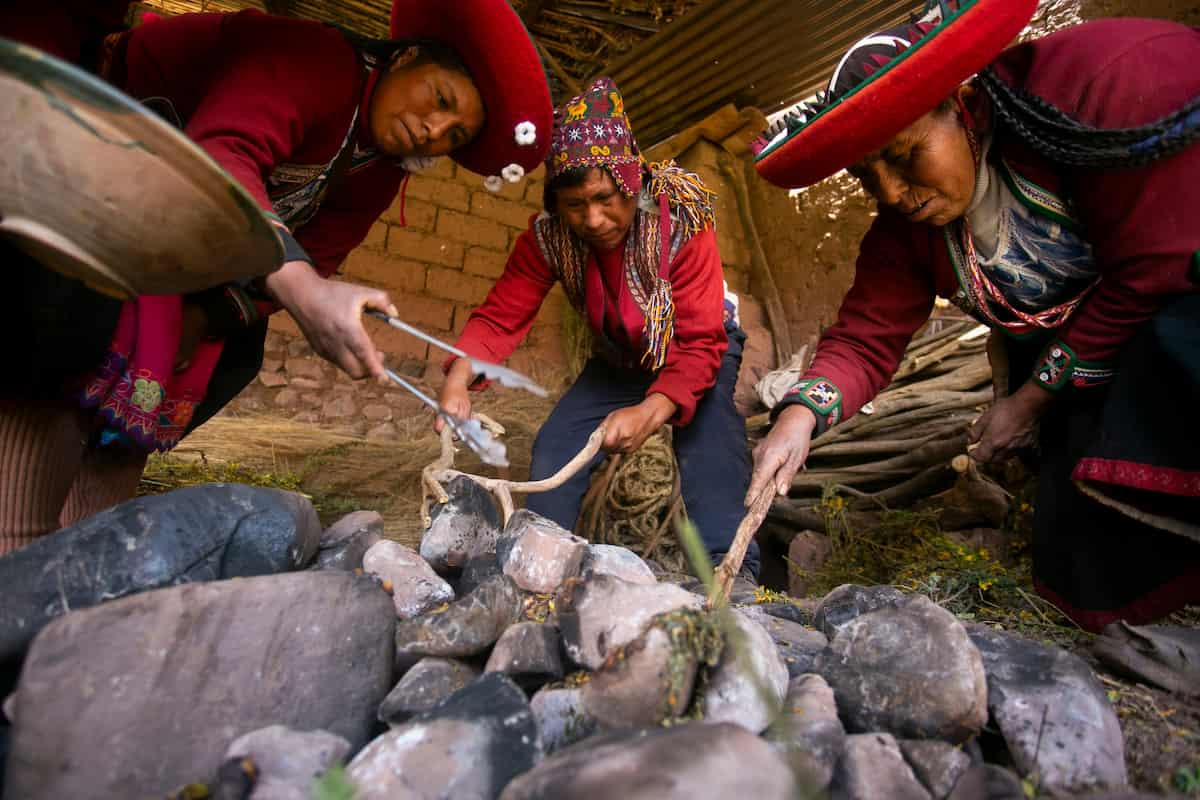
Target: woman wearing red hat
point(321, 127)
point(1054, 197)
point(634, 249)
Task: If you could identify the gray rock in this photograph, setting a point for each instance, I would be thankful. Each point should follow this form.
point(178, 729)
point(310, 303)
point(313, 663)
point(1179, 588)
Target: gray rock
point(468, 627)
point(873, 767)
point(136, 697)
point(988, 782)
point(286, 761)
point(619, 562)
point(201, 533)
point(643, 683)
point(542, 554)
point(807, 552)
point(909, 670)
point(603, 613)
point(797, 644)
point(478, 570)
point(799, 611)
point(810, 726)
point(561, 717)
point(849, 601)
point(466, 526)
point(678, 763)
point(429, 682)
point(528, 652)
point(1054, 715)
point(344, 543)
point(751, 680)
point(937, 765)
point(467, 748)
point(415, 587)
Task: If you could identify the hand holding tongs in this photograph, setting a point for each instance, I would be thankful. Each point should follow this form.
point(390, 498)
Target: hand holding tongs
point(470, 431)
point(494, 372)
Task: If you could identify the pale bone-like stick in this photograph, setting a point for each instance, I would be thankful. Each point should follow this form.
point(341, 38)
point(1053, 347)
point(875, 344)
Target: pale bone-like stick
point(732, 563)
point(441, 472)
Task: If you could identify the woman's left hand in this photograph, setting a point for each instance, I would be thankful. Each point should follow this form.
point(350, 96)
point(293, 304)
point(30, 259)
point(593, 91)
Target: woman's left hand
point(1010, 425)
point(627, 428)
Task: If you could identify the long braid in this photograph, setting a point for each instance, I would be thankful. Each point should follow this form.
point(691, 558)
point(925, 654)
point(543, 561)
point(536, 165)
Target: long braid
point(1065, 140)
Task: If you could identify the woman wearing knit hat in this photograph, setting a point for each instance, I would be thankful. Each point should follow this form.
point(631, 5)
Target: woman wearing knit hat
point(1054, 197)
point(320, 127)
point(634, 249)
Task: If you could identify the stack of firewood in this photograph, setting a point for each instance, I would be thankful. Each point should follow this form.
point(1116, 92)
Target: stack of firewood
point(900, 446)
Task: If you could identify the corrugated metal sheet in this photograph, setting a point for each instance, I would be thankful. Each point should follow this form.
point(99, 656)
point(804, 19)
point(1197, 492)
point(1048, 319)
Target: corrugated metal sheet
point(763, 53)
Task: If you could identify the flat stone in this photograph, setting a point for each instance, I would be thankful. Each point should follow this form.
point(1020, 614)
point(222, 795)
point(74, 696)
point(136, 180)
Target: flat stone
point(429, 682)
point(682, 762)
point(298, 348)
point(138, 696)
point(807, 552)
point(468, 627)
point(416, 588)
point(386, 430)
point(604, 613)
point(306, 417)
point(311, 368)
point(272, 380)
point(287, 761)
point(619, 562)
point(345, 542)
point(199, 533)
point(528, 652)
point(339, 407)
point(988, 781)
point(798, 645)
point(561, 717)
point(810, 726)
point(542, 554)
point(849, 601)
point(642, 684)
point(312, 399)
point(872, 767)
point(467, 748)
point(938, 765)
point(466, 526)
point(751, 680)
point(1053, 713)
point(911, 671)
point(800, 611)
point(270, 364)
point(377, 412)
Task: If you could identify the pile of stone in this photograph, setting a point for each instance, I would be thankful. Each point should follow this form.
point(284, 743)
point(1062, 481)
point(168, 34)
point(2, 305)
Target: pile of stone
point(217, 636)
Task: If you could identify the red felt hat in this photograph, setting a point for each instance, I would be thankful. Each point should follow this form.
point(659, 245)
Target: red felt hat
point(820, 141)
point(503, 61)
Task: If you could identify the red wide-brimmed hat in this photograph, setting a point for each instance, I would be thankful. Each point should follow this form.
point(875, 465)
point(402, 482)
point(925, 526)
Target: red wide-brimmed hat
point(933, 58)
point(503, 61)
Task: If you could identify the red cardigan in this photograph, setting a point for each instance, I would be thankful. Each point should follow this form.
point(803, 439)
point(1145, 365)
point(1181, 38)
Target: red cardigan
point(496, 328)
point(255, 92)
point(1143, 224)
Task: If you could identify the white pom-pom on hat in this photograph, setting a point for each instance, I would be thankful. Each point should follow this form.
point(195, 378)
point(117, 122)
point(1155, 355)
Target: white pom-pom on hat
point(526, 134)
point(493, 183)
point(513, 173)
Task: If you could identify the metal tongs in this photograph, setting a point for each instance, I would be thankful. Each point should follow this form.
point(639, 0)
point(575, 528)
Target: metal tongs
point(493, 372)
point(470, 431)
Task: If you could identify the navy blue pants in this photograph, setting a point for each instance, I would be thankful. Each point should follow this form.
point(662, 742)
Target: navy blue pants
point(713, 457)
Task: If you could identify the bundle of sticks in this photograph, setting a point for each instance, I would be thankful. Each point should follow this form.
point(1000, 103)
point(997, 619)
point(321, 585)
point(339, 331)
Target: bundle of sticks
point(899, 447)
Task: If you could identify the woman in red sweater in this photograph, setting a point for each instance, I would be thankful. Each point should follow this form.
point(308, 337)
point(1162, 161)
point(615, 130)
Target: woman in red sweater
point(1054, 197)
point(321, 127)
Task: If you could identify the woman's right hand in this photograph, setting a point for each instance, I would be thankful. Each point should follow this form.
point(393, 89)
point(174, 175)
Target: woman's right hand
point(780, 455)
point(455, 397)
point(329, 314)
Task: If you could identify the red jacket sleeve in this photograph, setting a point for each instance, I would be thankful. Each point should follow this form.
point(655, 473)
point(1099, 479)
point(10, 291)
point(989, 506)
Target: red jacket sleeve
point(694, 356)
point(891, 298)
point(494, 330)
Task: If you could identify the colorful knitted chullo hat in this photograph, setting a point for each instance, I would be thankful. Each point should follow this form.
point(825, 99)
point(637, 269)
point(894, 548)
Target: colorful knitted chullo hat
point(592, 130)
point(885, 83)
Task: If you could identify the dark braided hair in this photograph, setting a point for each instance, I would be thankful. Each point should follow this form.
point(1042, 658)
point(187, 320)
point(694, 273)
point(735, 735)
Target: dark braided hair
point(1061, 138)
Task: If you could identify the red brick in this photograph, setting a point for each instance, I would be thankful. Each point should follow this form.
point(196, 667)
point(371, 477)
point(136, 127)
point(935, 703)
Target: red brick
point(423, 247)
point(398, 344)
point(474, 183)
point(376, 236)
point(457, 286)
point(472, 230)
point(489, 206)
point(424, 311)
point(419, 215)
point(384, 270)
point(442, 193)
point(461, 315)
point(738, 280)
point(485, 263)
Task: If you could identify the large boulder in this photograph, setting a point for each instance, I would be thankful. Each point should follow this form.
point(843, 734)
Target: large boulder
point(467, 628)
point(464, 527)
point(415, 587)
point(809, 730)
point(136, 697)
point(850, 601)
point(749, 683)
point(539, 553)
point(429, 682)
point(344, 543)
point(201, 533)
